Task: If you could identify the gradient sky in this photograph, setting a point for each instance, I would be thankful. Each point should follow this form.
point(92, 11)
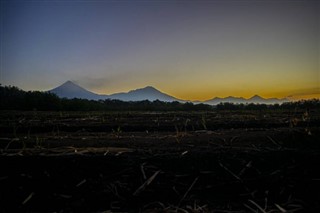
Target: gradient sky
point(192, 50)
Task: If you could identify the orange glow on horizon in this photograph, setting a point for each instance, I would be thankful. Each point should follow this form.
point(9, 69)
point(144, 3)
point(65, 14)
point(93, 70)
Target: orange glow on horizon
point(203, 95)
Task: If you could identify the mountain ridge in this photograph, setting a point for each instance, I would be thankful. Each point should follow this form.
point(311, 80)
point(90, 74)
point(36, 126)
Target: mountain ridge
point(240, 100)
point(70, 89)
point(146, 93)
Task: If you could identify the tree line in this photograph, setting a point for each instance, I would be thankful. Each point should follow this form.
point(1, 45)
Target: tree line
point(13, 98)
point(290, 105)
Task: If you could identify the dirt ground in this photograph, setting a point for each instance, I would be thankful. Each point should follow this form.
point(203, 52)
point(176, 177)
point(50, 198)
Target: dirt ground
point(221, 161)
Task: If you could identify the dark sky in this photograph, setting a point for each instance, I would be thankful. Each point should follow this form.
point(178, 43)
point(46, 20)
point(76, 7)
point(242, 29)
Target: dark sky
point(189, 49)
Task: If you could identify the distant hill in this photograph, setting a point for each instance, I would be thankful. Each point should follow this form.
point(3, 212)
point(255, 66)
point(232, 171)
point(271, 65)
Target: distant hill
point(256, 99)
point(71, 90)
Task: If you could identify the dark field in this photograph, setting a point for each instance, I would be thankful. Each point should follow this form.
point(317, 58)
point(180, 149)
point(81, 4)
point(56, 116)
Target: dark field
point(219, 161)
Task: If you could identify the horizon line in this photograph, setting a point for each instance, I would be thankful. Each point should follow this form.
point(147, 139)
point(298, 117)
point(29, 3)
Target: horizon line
point(295, 96)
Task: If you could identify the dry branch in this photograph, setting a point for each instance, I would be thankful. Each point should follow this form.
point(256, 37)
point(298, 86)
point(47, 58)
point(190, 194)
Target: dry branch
point(185, 194)
point(81, 182)
point(142, 171)
point(145, 184)
point(258, 206)
point(228, 170)
point(28, 198)
point(247, 166)
point(280, 208)
point(274, 142)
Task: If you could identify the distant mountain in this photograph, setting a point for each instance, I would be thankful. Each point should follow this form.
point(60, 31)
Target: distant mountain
point(72, 90)
point(256, 99)
point(229, 99)
point(147, 93)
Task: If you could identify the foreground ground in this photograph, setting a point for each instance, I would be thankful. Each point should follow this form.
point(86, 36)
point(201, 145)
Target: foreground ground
point(243, 161)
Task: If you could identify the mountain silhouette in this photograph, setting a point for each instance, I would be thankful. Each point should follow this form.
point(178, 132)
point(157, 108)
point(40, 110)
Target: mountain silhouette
point(147, 93)
point(256, 99)
point(71, 90)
